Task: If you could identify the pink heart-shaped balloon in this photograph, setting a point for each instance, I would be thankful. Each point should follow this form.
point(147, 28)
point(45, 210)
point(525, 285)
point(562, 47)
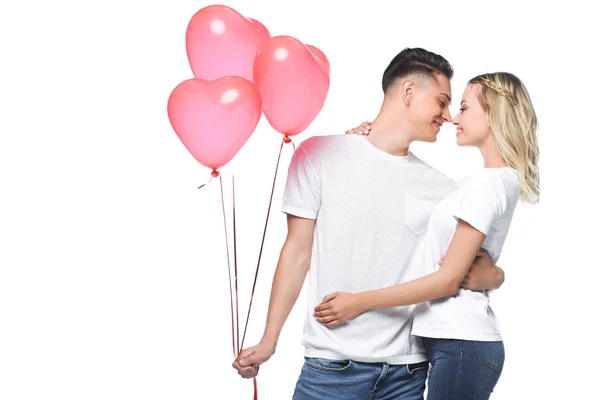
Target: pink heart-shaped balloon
point(222, 42)
point(214, 119)
point(293, 81)
point(321, 58)
point(265, 32)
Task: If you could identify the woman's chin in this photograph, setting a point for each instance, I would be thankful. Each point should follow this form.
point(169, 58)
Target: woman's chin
point(461, 140)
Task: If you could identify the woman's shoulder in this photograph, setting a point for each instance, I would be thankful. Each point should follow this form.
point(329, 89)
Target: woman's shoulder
point(504, 175)
point(503, 182)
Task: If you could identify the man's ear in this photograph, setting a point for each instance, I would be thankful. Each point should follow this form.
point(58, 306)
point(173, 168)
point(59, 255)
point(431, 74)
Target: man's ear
point(408, 91)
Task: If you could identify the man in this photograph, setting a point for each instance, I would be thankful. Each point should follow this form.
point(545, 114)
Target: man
point(357, 209)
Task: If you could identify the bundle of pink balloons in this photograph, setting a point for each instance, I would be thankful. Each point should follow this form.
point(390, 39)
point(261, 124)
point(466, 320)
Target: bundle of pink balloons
point(240, 72)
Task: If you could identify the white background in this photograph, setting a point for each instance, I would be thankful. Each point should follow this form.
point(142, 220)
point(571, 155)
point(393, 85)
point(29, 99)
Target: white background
point(113, 281)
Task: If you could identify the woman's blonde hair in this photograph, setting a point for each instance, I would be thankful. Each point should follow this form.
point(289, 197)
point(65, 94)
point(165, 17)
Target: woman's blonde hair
point(514, 126)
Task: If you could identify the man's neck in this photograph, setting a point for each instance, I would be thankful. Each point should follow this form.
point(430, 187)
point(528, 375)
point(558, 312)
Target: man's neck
point(393, 138)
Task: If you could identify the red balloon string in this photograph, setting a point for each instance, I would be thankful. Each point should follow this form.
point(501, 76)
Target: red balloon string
point(235, 329)
point(237, 308)
point(285, 140)
point(233, 322)
point(213, 174)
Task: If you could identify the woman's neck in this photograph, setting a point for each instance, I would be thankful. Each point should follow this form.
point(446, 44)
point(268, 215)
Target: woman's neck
point(491, 155)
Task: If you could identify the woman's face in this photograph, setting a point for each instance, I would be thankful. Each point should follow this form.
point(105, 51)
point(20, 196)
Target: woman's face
point(472, 123)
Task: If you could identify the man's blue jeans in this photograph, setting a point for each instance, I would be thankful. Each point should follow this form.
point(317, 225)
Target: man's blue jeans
point(322, 379)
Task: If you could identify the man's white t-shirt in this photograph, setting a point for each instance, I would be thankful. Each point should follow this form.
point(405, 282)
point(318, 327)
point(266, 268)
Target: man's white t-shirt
point(371, 210)
point(486, 201)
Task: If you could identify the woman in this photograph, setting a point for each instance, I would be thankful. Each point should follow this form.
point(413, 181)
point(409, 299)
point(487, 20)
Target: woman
point(458, 327)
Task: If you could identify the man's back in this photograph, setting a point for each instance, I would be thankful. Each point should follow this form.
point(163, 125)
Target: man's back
point(371, 210)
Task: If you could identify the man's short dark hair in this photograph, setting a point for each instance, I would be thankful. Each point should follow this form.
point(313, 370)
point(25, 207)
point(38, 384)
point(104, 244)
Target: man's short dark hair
point(415, 61)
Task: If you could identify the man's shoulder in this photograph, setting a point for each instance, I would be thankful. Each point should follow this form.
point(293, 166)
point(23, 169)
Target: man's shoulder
point(321, 140)
point(321, 145)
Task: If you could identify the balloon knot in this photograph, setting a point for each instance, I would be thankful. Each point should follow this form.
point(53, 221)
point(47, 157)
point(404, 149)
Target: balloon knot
point(286, 139)
point(215, 173)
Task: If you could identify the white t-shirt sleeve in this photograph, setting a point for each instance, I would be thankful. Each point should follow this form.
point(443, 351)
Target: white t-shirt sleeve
point(302, 194)
point(483, 200)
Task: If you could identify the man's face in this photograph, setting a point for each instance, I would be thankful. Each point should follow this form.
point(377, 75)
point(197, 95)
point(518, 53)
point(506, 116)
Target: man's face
point(429, 107)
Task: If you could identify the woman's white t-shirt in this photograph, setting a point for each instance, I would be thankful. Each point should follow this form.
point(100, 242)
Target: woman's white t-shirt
point(486, 201)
